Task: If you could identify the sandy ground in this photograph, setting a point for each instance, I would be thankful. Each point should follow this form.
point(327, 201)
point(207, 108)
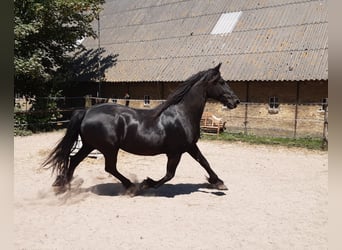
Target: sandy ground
point(277, 199)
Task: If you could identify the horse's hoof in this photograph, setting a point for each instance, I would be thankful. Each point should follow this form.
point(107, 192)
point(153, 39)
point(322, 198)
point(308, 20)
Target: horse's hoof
point(59, 182)
point(143, 186)
point(218, 186)
point(147, 183)
point(221, 186)
point(132, 191)
point(60, 185)
point(59, 189)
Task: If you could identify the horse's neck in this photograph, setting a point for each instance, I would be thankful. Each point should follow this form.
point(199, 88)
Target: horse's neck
point(194, 102)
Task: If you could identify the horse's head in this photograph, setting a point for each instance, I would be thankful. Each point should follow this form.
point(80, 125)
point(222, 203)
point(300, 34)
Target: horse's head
point(219, 89)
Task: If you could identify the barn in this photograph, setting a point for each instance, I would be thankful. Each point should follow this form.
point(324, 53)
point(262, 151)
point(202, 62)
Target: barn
point(274, 55)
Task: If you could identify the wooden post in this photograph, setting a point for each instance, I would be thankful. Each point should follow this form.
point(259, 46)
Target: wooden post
point(87, 101)
point(325, 127)
point(296, 112)
point(246, 109)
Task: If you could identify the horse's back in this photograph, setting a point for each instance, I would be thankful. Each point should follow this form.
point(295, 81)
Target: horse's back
point(120, 126)
point(137, 131)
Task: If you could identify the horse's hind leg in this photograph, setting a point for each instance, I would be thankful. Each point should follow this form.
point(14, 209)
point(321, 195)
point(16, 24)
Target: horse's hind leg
point(213, 178)
point(110, 167)
point(66, 177)
point(172, 163)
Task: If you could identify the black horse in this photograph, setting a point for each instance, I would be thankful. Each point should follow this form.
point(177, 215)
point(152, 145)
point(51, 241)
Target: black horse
point(172, 128)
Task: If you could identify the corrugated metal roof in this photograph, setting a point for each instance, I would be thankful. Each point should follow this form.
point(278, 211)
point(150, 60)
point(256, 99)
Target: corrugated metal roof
point(169, 40)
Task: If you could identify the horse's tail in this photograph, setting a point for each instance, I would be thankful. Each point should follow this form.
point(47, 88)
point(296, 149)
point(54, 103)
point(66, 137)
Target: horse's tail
point(59, 157)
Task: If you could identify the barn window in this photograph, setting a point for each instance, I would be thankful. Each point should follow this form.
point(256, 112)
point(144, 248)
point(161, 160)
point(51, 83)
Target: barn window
point(146, 100)
point(226, 23)
point(273, 102)
point(324, 104)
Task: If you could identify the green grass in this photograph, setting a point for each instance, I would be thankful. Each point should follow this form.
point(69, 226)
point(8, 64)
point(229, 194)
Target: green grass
point(306, 142)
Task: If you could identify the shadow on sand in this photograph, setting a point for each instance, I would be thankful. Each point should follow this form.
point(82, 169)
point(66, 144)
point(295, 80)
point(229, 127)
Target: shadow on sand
point(166, 190)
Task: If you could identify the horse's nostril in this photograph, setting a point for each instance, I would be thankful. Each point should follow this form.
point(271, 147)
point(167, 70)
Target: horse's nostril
point(237, 101)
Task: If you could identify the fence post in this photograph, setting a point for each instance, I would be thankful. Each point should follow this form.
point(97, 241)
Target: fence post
point(87, 101)
point(246, 119)
point(296, 112)
point(325, 127)
point(246, 109)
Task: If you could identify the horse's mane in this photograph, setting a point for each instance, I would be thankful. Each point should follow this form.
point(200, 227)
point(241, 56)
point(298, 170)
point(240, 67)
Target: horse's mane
point(180, 92)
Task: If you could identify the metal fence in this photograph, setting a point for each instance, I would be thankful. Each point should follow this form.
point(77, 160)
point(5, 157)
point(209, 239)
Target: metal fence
point(287, 120)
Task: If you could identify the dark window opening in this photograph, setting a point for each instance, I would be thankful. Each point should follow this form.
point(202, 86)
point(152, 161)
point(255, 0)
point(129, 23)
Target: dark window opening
point(274, 102)
point(324, 103)
point(146, 100)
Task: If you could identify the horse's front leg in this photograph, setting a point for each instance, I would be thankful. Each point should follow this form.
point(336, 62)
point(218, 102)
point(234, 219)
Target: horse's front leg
point(172, 163)
point(213, 178)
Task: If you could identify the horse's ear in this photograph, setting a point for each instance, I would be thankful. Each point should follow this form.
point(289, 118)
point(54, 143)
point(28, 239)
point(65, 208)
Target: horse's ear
point(217, 68)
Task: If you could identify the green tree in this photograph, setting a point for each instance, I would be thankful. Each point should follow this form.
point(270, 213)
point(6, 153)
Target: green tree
point(45, 35)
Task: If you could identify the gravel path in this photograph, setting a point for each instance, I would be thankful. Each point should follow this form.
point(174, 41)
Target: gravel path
point(277, 199)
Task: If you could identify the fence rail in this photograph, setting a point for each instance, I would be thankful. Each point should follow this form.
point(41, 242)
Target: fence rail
point(289, 120)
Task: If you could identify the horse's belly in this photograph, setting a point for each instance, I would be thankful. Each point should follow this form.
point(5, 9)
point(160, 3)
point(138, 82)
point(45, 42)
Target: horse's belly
point(142, 149)
point(146, 147)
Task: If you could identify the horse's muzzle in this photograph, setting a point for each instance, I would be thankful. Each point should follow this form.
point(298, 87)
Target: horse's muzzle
point(232, 104)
